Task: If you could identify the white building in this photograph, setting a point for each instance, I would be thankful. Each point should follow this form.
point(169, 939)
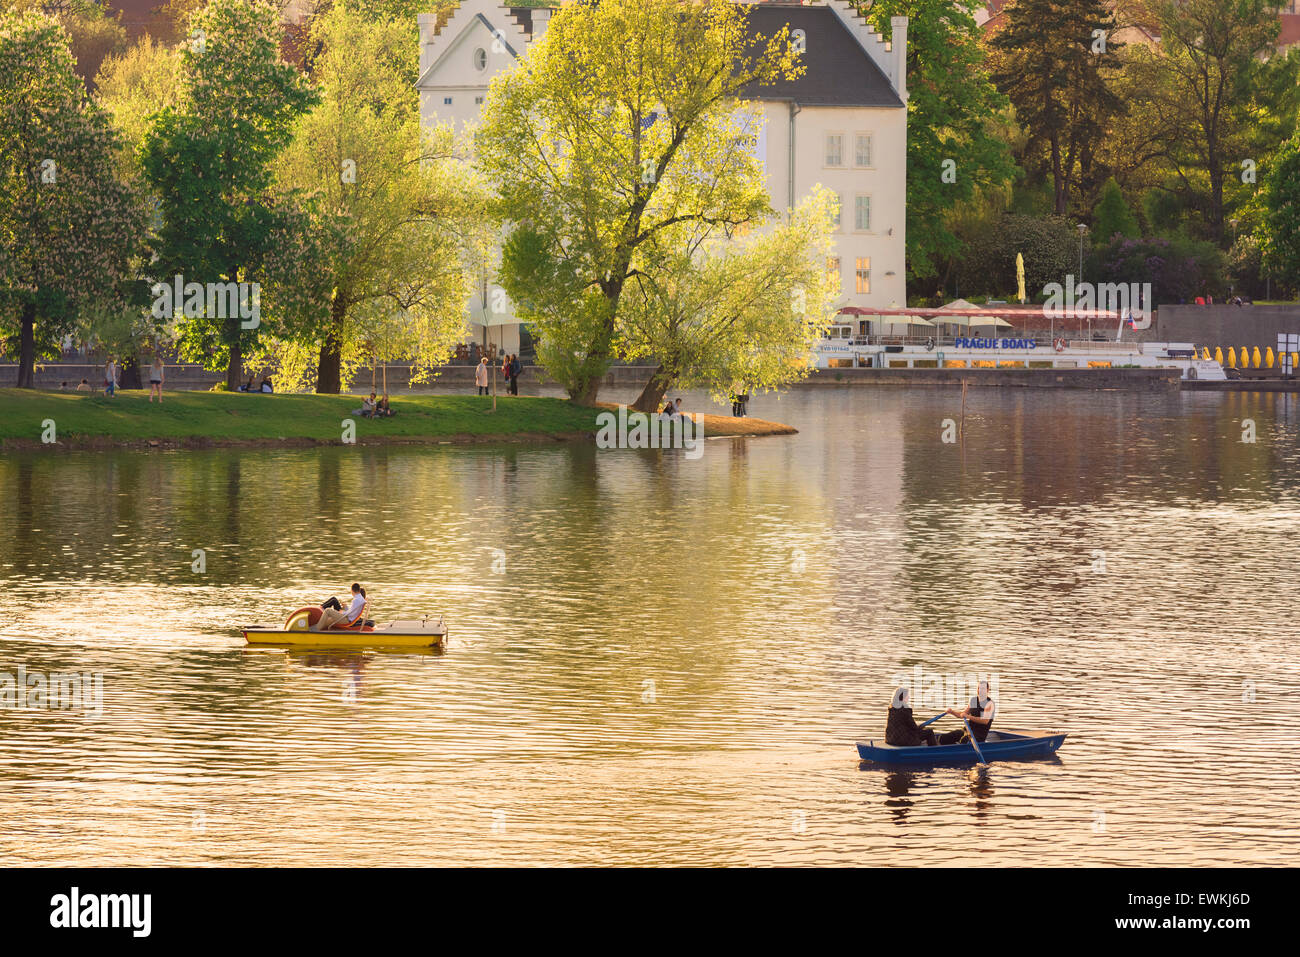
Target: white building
point(842, 124)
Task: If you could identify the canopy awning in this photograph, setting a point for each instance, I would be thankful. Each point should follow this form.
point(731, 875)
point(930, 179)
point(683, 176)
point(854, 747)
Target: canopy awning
point(869, 316)
point(970, 321)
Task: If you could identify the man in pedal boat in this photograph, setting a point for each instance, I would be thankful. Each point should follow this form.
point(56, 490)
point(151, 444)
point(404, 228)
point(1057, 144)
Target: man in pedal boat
point(979, 713)
point(332, 612)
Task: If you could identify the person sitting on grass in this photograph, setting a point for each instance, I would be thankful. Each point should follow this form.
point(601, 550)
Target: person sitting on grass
point(383, 410)
point(266, 385)
point(83, 386)
point(367, 410)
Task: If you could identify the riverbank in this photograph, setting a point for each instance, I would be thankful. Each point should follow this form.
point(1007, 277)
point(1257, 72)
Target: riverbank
point(38, 420)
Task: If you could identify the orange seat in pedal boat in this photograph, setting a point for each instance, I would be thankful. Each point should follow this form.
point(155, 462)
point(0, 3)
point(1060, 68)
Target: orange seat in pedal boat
point(304, 619)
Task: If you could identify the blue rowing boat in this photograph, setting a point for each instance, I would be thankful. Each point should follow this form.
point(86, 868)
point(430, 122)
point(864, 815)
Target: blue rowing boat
point(998, 746)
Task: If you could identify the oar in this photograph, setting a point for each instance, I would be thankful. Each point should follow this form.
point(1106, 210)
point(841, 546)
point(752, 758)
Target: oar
point(974, 744)
point(932, 720)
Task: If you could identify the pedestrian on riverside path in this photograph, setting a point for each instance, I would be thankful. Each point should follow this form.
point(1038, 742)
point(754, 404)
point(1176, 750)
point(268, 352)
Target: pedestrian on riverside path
point(516, 369)
point(505, 369)
point(110, 377)
point(481, 376)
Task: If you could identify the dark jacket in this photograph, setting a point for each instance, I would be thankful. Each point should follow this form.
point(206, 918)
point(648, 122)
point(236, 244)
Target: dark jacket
point(516, 369)
point(901, 729)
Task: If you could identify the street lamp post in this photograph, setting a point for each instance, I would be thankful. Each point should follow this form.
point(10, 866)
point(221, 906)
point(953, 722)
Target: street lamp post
point(1083, 228)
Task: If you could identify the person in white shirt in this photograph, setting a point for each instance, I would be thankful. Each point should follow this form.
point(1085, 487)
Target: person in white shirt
point(332, 613)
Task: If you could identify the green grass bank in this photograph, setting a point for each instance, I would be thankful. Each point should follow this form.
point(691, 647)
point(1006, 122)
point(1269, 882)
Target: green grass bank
point(198, 419)
point(87, 420)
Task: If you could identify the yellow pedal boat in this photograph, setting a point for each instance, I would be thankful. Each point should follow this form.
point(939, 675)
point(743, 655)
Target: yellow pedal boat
point(299, 629)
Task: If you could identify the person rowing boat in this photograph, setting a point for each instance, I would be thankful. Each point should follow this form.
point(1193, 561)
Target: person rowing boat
point(979, 713)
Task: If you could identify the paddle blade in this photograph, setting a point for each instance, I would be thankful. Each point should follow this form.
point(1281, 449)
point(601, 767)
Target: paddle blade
point(974, 744)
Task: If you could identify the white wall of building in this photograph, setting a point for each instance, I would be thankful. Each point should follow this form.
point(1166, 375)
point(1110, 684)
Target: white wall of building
point(483, 40)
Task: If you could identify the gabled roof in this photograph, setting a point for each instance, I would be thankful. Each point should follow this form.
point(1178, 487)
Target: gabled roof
point(507, 23)
point(837, 70)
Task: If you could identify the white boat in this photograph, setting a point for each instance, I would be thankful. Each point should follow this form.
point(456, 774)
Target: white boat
point(1012, 352)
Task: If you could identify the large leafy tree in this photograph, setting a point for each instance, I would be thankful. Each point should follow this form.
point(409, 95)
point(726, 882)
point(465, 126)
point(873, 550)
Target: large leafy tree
point(133, 87)
point(1048, 60)
point(951, 103)
point(625, 122)
point(711, 310)
point(70, 227)
point(209, 159)
point(395, 205)
point(1203, 97)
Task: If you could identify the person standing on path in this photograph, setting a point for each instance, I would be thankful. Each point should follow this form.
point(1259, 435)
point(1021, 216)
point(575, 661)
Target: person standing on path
point(481, 376)
point(110, 377)
point(516, 369)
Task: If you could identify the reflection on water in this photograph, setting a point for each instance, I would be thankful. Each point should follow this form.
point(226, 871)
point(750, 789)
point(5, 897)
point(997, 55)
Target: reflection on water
point(656, 660)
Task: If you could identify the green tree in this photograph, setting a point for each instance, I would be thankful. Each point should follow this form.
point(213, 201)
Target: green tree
point(136, 85)
point(70, 228)
point(396, 205)
point(625, 123)
point(1048, 60)
point(1282, 222)
point(1195, 97)
point(209, 159)
point(1111, 215)
point(951, 115)
point(711, 309)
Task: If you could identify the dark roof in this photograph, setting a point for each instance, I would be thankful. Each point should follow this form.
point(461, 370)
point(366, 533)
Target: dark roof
point(525, 17)
point(837, 71)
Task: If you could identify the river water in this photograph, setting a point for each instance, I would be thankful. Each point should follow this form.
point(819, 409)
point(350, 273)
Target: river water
point(658, 659)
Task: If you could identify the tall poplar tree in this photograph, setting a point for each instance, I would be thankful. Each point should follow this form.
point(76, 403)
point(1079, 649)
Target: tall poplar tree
point(70, 227)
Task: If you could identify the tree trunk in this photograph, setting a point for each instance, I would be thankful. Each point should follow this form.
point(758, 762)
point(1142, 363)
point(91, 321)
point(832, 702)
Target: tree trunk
point(329, 369)
point(653, 394)
point(235, 370)
point(27, 348)
point(131, 373)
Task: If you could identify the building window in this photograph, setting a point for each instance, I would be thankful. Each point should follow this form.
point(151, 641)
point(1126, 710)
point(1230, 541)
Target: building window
point(833, 273)
point(839, 211)
point(480, 59)
point(834, 149)
point(862, 150)
point(446, 101)
point(863, 273)
point(478, 101)
point(862, 213)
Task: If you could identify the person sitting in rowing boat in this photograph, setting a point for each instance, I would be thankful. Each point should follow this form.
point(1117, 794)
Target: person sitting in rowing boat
point(979, 713)
point(901, 729)
point(332, 612)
